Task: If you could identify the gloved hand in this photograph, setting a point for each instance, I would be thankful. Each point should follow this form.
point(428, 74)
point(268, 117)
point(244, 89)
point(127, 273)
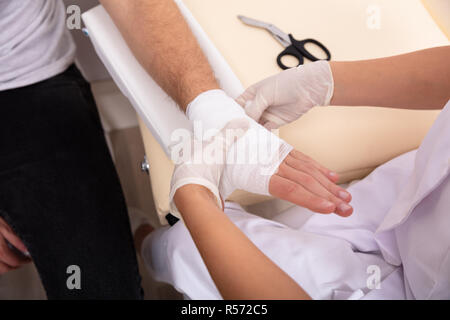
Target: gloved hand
point(285, 97)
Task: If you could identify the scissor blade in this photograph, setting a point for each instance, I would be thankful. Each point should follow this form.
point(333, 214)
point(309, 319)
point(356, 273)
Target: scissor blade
point(254, 23)
point(279, 35)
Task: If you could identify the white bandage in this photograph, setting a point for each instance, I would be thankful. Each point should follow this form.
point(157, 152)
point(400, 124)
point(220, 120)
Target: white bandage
point(202, 175)
point(203, 161)
point(213, 109)
point(251, 153)
point(252, 161)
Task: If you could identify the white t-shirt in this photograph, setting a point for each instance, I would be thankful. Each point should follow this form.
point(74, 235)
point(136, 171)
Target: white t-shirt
point(34, 42)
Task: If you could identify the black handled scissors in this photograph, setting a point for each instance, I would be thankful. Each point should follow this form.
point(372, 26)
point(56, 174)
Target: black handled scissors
point(292, 46)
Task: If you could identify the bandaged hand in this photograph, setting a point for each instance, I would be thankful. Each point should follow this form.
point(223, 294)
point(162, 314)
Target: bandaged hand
point(285, 97)
point(212, 113)
point(262, 163)
point(253, 159)
point(202, 161)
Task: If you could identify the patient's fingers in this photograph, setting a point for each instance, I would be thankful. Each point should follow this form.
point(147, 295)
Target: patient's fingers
point(309, 168)
point(308, 182)
point(333, 176)
point(293, 192)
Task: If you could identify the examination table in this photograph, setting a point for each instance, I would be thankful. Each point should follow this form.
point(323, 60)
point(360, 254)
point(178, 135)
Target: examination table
point(351, 141)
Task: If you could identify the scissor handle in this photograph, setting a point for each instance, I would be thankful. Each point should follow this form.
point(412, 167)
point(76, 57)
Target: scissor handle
point(300, 46)
point(297, 49)
point(289, 51)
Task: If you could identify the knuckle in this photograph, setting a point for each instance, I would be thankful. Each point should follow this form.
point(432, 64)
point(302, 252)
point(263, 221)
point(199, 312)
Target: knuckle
point(296, 154)
point(290, 188)
point(334, 199)
point(307, 179)
point(282, 169)
point(332, 188)
point(289, 160)
point(309, 167)
point(330, 197)
point(309, 162)
point(313, 203)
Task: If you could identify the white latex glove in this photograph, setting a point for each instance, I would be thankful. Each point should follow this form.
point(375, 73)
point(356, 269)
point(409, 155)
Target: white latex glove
point(285, 97)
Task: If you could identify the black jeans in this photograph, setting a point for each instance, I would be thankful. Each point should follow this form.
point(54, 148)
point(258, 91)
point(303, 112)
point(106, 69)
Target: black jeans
point(59, 190)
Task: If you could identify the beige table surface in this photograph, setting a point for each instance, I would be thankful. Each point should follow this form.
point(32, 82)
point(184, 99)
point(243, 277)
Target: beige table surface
point(352, 141)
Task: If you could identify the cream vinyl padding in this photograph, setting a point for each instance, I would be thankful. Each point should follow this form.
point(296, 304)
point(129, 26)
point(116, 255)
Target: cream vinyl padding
point(352, 141)
point(440, 12)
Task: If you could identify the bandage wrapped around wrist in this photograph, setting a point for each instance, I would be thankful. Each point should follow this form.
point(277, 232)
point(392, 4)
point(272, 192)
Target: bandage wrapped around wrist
point(248, 154)
point(189, 173)
point(202, 161)
point(213, 110)
point(243, 155)
point(196, 170)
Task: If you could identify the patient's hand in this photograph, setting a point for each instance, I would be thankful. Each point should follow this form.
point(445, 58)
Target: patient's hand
point(262, 163)
point(303, 181)
point(253, 159)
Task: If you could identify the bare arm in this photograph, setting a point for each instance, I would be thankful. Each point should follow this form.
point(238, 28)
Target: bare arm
point(161, 40)
point(417, 80)
point(239, 269)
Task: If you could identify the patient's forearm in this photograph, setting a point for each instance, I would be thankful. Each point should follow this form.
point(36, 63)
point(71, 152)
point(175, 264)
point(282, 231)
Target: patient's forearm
point(161, 40)
point(418, 80)
point(239, 269)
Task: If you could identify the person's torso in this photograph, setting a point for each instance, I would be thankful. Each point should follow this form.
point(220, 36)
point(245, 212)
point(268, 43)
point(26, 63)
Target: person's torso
point(34, 41)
